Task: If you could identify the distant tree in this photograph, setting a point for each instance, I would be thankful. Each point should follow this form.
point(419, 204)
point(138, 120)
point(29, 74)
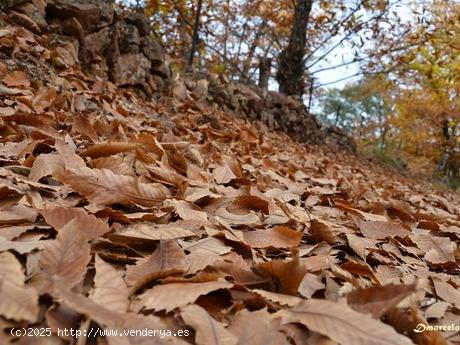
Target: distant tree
point(359, 109)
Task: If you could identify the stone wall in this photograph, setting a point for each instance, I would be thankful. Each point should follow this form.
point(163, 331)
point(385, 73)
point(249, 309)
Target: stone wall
point(106, 41)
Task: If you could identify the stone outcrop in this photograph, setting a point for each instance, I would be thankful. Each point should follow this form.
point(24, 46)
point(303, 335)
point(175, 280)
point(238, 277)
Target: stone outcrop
point(105, 40)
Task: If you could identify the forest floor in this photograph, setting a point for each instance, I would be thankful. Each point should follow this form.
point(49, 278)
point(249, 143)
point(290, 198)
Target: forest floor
point(119, 213)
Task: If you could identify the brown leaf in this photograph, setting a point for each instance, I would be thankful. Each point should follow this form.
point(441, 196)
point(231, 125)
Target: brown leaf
point(17, 79)
point(378, 230)
point(286, 274)
point(447, 292)
point(321, 232)
point(66, 257)
point(108, 149)
point(247, 203)
point(109, 319)
point(310, 284)
point(377, 300)
point(21, 247)
point(344, 325)
point(17, 302)
point(361, 245)
point(437, 250)
point(168, 259)
point(278, 237)
point(234, 265)
point(91, 226)
point(199, 260)
point(206, 245)
point(436, 310)
point(237, 219)
point(187, 211)
point(105, 187)
point(155, 231)
point(223, 174)
point(281, 299)
point(177, 295)
point(110, 289)
point(208, 331)
point(256, 328)
point(46, 164)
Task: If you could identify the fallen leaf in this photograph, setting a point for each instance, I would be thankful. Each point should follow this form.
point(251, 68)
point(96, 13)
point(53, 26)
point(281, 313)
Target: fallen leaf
point(278, 237)
point(208, 331)
point(110, 289)
point(437, 250)
point(378, 230)
point(344, 325)
point(177, 295)
point(91, 226)
point(256, 328)
point(168, 259)
point(66, 257)
point(104, 187)
point(377, 300)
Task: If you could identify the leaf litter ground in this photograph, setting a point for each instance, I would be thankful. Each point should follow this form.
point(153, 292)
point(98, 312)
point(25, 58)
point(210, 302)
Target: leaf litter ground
point(117, 213)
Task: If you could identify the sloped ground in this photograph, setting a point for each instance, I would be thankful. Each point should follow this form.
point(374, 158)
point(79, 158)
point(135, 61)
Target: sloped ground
point(121, 214)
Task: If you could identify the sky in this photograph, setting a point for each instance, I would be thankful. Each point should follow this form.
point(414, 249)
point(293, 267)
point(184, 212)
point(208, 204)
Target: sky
point(333, 78)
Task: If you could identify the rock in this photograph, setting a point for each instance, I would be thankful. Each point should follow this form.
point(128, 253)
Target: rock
point(153, 50)
point(162, 70)
point(129, 39)
point(95, 44)
point(131, 69)
point(72, 27)
point(180, 91)
point(34, 13)
point(66, 54)
point(91, 14)
point(139, 20)
point(6, 4)
point(25, 21)
point(41, 6)
point(200, 91)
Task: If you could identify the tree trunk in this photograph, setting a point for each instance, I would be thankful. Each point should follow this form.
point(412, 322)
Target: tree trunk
point(196, 38)
point(291, 68)
point(265, 65)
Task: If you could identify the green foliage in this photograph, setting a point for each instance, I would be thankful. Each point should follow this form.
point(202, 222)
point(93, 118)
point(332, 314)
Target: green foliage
point(359, 109)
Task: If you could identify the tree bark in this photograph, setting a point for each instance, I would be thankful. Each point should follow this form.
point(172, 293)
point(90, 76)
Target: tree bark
point(196, 38)
point(291, 69)
point(265, 65)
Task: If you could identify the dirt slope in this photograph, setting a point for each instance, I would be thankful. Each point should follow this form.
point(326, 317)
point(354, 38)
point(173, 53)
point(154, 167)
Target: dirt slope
point(118, 213)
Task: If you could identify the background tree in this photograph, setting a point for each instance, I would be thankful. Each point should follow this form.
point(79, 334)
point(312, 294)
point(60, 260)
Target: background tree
point(291, 68)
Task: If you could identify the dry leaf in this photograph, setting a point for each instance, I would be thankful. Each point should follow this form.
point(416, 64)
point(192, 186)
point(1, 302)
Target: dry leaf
point(177, 295)
point(278, 237)
point(110, 289)
point(208, 331)
point(437, 250)
point(89, 225)
point(187, 211)
point(168, 259)
point(378, 230)
point(105, 187)
point(256, 328)
point(18, 302)
point(344, 325)
point(310, 284)
point(66, 257)
point(286, 274)
point(377, 300)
